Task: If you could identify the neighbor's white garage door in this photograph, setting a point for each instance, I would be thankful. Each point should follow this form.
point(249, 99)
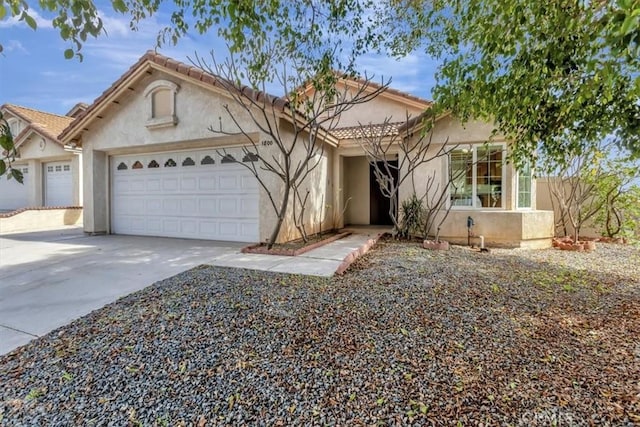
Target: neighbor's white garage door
point(190, 194)
point(58, 185)
point(14, 195)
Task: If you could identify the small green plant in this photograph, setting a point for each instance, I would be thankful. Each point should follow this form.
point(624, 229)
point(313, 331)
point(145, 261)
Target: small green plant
point(66, 377)
point(412, 217)
point(35, 393)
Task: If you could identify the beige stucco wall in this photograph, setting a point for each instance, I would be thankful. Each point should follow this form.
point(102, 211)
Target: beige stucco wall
point(544, 201)
point(356, 191)
point(47, 219)
point(37, 150)
point(506, 226)
point(528, 229)
point(122, 130)
point(384, 106)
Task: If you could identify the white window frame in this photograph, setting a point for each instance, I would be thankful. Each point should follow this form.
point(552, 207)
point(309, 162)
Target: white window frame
point(530, 207)
point(14, 126)
point(474, 177)
point(163, 121)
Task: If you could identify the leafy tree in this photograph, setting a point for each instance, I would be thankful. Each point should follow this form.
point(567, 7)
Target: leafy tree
point(562, 73)
point(8, 152)
point(619, 197)
point(594, 187)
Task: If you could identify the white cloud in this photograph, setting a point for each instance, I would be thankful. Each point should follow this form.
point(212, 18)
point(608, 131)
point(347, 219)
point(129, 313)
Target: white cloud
point(15, 21)
point(15, 46)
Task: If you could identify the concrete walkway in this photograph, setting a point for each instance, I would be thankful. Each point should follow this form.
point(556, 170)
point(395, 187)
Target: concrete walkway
point(48, 279)
point(322, 261)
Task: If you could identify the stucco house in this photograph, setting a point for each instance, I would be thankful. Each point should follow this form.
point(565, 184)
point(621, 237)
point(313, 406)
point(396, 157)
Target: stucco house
point(52, 174)
point(152, 167)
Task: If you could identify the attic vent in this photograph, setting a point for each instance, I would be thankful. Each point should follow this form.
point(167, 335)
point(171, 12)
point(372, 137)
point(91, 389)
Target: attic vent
point(170, 163)
point(153, 164)
point(207, 160)
point(228, 158)
point(250, 157)
point(188, 162)
point(122, 166)
point(137, 165)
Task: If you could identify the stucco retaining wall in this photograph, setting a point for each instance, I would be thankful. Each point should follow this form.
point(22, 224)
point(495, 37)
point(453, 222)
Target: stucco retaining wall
point(34, 219)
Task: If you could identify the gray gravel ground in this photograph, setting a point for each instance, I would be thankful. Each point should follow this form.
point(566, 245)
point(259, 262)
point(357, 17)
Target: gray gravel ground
point(406, 337)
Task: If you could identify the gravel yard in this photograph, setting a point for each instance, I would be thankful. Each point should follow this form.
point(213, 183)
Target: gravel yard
point(407, 336)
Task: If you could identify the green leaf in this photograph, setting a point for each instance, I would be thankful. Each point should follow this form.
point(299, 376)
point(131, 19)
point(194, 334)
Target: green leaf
point(3, 11)
point(68, 54)
point(119, 6)
point(6, 142)
point(29, 20)
point(17, 175)
point(3, 167)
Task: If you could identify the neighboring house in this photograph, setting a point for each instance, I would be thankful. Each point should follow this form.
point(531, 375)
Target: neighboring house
point(52, 174)
point(152, 167)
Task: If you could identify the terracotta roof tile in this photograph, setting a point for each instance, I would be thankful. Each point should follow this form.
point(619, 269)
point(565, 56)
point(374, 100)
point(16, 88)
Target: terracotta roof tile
point(48, 124)
point(374, 130)
point(171, 65)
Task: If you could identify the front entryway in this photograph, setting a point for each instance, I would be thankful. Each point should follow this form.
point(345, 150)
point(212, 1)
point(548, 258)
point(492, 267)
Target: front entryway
point(58, 184)
point(189, 194)
point(379, 204)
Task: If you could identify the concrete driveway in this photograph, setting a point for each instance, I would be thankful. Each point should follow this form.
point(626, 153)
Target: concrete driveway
point(50, 278)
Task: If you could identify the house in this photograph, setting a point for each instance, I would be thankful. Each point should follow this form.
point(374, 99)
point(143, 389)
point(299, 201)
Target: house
point(52, 174)
point(153, 167)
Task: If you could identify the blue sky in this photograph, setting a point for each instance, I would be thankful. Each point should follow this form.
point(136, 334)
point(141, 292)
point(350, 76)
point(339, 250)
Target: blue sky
point(34, 73)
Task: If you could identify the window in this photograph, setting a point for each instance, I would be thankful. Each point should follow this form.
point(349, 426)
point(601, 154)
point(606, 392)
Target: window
point(477, 174)
point(122, 166)
point(67, 168)
point(188, 162)
point(170, 163)
point(228, 158)
point(58, 168)
point(207, 160)
point(137, 165)
point(14, 127)
point(153, 164)
point(161, 96)
point(525, 177)
point(250, 157)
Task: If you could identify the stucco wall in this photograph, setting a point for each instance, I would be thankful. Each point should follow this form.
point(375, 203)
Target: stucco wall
point(356, 190)
point(47, 219)
point(122, 130)
point(384, 106)
point(528, 229)
point(544, 201)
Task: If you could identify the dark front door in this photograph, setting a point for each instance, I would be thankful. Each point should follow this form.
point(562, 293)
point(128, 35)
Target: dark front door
point(379, 204)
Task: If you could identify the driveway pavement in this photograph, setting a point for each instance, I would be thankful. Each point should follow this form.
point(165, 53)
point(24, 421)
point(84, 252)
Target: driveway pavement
point(48, 279)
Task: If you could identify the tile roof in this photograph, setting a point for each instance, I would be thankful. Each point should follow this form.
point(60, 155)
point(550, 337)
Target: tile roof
point(369, 131)
point(152, 57)
point(396, 92)
point(48, 124)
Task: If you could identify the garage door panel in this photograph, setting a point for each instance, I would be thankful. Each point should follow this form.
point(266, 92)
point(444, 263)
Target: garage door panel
point(14, 195)
point(198, 197)
point(58, 184)
point(206, 183)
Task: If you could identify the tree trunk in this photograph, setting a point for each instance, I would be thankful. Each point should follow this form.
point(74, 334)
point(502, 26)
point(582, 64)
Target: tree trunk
point(281, 214)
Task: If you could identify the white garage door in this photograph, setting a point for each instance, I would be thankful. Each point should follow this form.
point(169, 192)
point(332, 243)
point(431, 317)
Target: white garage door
point(58, 185)
point(190, 194)
point(14, 195)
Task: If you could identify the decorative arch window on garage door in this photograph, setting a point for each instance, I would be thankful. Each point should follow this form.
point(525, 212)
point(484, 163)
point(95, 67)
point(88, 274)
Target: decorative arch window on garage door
point(161, 100)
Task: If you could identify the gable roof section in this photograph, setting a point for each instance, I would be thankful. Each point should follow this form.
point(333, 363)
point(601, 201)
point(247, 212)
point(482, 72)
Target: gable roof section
point(154, 60)
point(389, 92)
point(46, 124)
